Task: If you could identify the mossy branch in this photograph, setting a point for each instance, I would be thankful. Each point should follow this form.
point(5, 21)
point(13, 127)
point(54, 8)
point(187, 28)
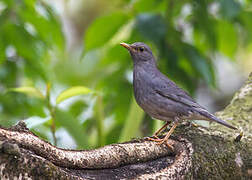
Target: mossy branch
point(214, 153)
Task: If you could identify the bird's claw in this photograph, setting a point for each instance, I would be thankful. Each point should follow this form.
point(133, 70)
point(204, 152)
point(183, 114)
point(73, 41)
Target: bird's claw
point(160, 141)
point(167, 144)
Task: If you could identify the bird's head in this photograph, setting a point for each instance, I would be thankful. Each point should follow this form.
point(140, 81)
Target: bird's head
point(139, 52)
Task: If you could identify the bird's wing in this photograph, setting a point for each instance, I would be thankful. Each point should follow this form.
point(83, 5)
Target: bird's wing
point(178, 98)
point(168, 89)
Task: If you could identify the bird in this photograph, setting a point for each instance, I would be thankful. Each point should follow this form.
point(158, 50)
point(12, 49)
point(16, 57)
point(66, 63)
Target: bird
point(160, 97)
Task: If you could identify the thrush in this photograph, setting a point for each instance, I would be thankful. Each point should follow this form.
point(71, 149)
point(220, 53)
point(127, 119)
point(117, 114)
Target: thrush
point(160, 97)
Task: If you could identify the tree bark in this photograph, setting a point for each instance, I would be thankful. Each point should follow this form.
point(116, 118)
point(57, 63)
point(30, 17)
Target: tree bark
point(199, 153)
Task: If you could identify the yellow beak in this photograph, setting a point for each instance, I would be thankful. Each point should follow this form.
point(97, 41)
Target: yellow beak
point(127, 46)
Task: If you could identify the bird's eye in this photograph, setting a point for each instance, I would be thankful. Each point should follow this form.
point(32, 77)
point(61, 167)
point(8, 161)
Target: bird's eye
point(141, 49)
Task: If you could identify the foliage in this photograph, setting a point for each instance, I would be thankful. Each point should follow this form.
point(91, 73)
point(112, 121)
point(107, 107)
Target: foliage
point(184, 36)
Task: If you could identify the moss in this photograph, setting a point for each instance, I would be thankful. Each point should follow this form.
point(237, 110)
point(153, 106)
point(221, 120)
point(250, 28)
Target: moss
point(239, 111)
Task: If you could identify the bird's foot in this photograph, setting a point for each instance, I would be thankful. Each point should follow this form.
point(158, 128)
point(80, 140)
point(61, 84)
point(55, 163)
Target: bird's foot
point(160, 141)
point(167, 144)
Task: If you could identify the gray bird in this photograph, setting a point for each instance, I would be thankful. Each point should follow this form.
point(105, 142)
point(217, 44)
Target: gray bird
point(160, 97)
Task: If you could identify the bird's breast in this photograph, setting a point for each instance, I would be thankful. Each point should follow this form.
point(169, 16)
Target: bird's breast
point(144, 92)
point(142, 86)
point(141, 91)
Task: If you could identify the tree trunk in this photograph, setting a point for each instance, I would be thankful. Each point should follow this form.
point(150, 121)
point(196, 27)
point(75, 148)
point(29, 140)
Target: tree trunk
point(199, 153)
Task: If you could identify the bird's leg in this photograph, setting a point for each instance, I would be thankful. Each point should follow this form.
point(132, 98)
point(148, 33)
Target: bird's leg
point(165, 139)
point(157, 132)
point(161, 129)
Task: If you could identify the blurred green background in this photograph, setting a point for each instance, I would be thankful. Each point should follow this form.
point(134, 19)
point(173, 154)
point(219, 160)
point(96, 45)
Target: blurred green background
point(63, 72)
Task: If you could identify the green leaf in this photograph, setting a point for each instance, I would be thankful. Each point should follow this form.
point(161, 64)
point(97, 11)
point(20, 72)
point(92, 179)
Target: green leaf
point(151, 26)
point(48, 28)
point(103, 29)
point(200, 64)
point(245, 18)
point(28, 47)
point(30, 91)
point(149, 5)
point(203, 26)
point(2, 50)
point(77, 108)
point(229, 8)
point(73, 91)
point(227, 38)
point(133, 122)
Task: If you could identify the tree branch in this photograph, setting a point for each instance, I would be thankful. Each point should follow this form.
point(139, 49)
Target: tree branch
point(199, 153)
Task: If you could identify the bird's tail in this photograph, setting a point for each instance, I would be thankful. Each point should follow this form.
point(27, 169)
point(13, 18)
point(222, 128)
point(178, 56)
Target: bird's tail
point(214, 118)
